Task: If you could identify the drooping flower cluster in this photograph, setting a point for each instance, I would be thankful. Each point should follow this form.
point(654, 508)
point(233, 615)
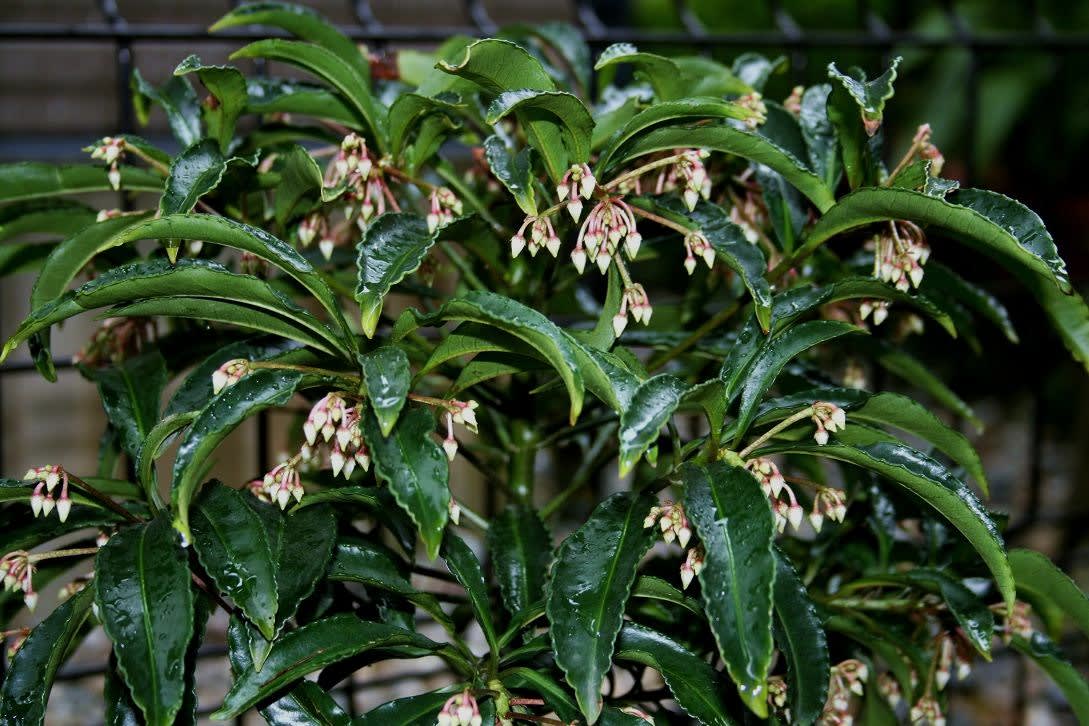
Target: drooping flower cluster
point(18, 572)
point(847, 677)
point(692, 566)
point(116, 339)
point(889, 688)
point(364, 178)
point(636, 303)
point(47, 478)
point(673, 525)
point(777, 697)
point(445, 205)
point(578, 183)
point(1018, 622)
point(460, 412)
point(749, 214)
point(793, 102)
point(927, 710)
point(830, 503)
point(229, 374)
point(460, 710)
point(828, 418)
point(541, 235)
point(689, 174)
point(610, 225)
point(333, 421)
point(110, 149)
point(282, 483)
point(315, 226)
point(696, 245)
point(952, 656)
point(774, 485)
point(754, 103)
point(898, 258)
point(879, 309)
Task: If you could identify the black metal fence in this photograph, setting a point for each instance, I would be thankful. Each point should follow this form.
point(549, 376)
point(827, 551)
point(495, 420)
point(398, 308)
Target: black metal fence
point(871, 33)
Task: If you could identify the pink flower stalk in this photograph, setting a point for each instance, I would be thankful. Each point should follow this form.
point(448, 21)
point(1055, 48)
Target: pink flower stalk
point(324, 417)
point(17, 570)
point(692, 566)
point(635, 302)
point(829, 503)
point(283, 483)
point(578, 182)
point(445, 205)
point(696, 245)
point(768, 474)
point(460, 710)
point(671, 521)
point(610, 223)
point(111, 150)
point(899, 258)
point(828, 418)
point(47, 478)
point(450, 444)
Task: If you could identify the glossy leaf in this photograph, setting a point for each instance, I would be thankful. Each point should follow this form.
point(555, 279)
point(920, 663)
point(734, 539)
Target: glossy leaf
point(650, 408)
point(972, 615)
point(869, 95)
point(733, 520)
point(130, 392)
point(300, 185)
point(234, 550)
point(570, 113)
point(386, 379)
point(145, 604)
point(521, 551)
point(416, 471)
point(28, 677)
point(54, 217)
point(514, 170)
point(228, 86)
point(1066, 676)
point(822, 146)
point(257, 391)
point(421, 710)
point(465, 567)
point(775, 354)
point(311, 648)
point(33, 180)
point(178, 101)
point(1040, 581)
point(929, 481)
point(591, 578)
point(662, 73)
point(800, 636)
point(693, 682)
point(281, 95)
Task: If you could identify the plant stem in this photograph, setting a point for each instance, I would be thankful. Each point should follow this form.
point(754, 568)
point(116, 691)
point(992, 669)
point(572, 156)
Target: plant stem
point(523, 461)
point(699, 333)
point(302, 369)
point(473, 517)
point(76, 552)
point(640, 171)
point(101, 498)
point(784, 424)
point(679, 228)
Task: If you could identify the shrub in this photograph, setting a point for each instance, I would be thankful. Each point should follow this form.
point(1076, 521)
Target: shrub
point(671, 289)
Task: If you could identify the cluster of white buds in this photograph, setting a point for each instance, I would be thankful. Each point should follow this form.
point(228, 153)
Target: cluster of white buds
point(229, 374)
point(460, 710)
point(898, 258)
point(636, 303)
point(889, 688)
point(671, 521)
point(638, 713)
point(283, 483)
point(47, 478)
point(315, 226)
point(847, 677)
point(854, 375)
point(110, 149)
point(364, 177)
point(879, 309)
point(1018, 622)
point(352, 157)
point(18, 637)
point(774, 485)
point(577, 184)
point(928, 150)
point(689, 174)
point(692, 566)
point(541, 235)
point(610, 223)
point(793, 102)
point(768, 474)
point(828, 418)
point(445, 205)
point(777, 696)
point(828, 502)
point(748, 213)
point(458, 412)
point(754, 102)
point(324, 417)
point(455, 511)
point(18, 573)
point(927, 711)
point(952, 656)
point(696, 245)
point(331, 419)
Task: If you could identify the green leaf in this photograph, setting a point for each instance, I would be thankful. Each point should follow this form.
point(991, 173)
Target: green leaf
point(746, 144)
point(311, 648)
point(869, 95)
point(515, 171)
point(694, 683)
point(1040, 581)
point(929, 481)
point(412, 109)
point(903, 365)
point(328, 66)
point(663, 75)
point(822, 146)
point(228, 86)
point(233, 548)
point(591, 578)
point(943, 281)
point(33, 180)
point(29, 675)
point(145, 604)
point(380, 502)
point(282, 95)
point(54, 217)
point(655, 588)
point(1066, 676)
point(301, 22)
point(755, 69)
point(300, 185)
point(499, 65)
point(120, 710)
point(177, 99)
point(301, 542)
point(884, 643)
point(194, 173)
point(707, 77)
point(801, 638)
point(775, 354)
point(130, 393)
point(422, 710)
point(256, 392)
point(416, 471)
point(567, 43)
point(465, 567)
point(521, 551)
point(732, 517)
point(386, 380)
point(555, 695)
point(572, 117)
point(393, 247)
point(651, 407)
point(670, 113)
